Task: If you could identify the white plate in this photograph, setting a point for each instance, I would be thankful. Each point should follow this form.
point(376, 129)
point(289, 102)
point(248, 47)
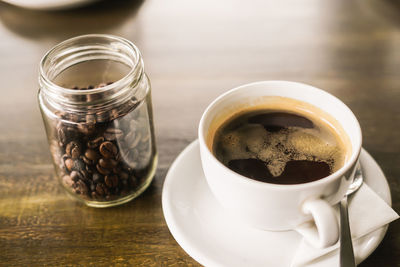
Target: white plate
point(203, 229)
point(47, 4)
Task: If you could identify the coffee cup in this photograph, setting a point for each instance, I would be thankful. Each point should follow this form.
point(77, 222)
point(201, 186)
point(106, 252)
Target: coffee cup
point(281, 207)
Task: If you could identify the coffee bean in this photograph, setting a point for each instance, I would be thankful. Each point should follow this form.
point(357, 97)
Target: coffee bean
point(111, 180)
point(92, 154)
point(108, 163)
point(81, 187)
point(101, 116)
point(87, 161)
point(66, 133)
point(69, 164)
point(85, 175)
point(90, 119)
point(100, 189)
point(73, 117)
point(60, 114)
point(114, 114)
point(62, 136)
point(73, 149)
point(75, 176)
point(69, 147)
point(86, 128)
point(108, 150)
point(102, 170)
point(112, 134)
point(75, 152)
point(95, 142)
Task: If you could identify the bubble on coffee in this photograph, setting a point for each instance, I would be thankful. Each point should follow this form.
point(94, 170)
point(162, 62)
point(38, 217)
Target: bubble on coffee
point(278, 147)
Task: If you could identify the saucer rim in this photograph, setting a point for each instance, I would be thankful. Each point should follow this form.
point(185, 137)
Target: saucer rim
point(201, 258)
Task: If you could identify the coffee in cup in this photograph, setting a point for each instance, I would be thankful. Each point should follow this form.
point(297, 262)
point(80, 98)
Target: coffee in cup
point(281, 141)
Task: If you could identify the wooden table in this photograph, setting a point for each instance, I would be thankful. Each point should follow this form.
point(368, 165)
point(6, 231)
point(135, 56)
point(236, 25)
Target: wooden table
point(193, 51)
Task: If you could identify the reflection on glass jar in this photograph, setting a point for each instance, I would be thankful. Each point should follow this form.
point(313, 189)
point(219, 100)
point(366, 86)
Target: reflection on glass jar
point(96, 105)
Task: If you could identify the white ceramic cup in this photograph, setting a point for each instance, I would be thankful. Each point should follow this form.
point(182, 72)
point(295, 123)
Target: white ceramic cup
point(281, 207)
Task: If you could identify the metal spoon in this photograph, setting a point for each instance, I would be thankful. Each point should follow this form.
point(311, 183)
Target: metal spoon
point(346, 246)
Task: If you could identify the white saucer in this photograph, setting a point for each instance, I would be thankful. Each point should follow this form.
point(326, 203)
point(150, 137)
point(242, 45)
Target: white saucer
point(203, 229)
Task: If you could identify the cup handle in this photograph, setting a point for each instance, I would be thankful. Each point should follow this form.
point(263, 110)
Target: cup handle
point(325, 232)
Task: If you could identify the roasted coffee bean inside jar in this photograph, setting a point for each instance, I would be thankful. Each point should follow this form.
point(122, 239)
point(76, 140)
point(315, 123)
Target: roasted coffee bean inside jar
point(105, 155)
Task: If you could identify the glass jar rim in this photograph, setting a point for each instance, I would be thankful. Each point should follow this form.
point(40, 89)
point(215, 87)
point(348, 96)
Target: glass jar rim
point(136, 68)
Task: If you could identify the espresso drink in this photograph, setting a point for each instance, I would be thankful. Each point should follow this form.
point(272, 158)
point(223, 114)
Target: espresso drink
point(279, 146)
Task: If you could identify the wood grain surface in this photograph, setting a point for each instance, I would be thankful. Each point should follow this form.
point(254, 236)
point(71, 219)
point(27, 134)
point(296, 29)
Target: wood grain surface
point(193, 51)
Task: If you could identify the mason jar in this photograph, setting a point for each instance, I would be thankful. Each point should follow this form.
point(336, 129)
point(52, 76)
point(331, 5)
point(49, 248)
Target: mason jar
point(96, 106)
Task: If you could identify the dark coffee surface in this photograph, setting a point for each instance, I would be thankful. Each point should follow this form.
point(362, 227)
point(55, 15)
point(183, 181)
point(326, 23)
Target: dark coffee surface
point(278, 147)
point(296, 171)
point(276, 121)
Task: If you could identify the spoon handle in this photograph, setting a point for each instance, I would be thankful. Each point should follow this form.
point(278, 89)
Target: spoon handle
point(346, 245)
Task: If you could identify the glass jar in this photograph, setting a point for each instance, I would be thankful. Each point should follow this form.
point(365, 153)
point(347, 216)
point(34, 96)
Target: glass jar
point(95, 102)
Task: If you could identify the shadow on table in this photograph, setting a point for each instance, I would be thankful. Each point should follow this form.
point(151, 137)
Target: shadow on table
point(99, 17)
